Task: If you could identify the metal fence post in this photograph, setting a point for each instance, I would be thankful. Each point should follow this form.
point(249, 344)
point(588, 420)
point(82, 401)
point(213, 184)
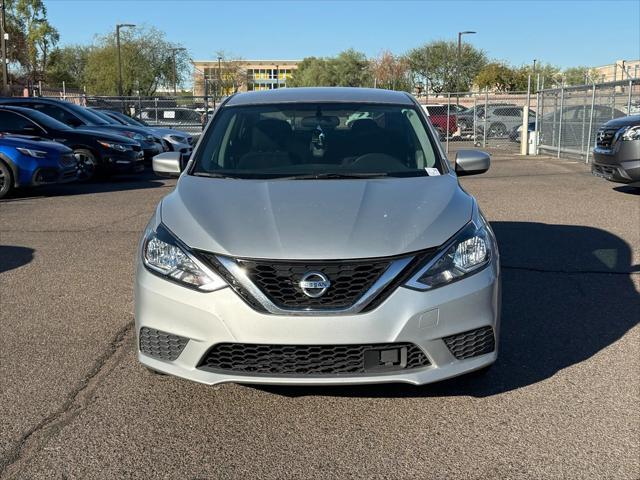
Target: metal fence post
point(64, 90)
point(524, 134)
point(475, 118)
point(593, 101)
point(484, 118)
point(560, 123)
point(155, 101)
point(448, 116)
point(536, 135)
point(629, 97)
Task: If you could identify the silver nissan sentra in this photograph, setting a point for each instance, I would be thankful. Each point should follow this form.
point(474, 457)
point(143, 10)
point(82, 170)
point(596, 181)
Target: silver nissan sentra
point(318, 236)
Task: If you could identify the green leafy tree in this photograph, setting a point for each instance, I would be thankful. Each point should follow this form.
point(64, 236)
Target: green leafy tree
point(147, 63)
point(68, 64)
point(497, 77)
point(437, 64)
point(349, 69)
point(31, 37)
point(579, 75)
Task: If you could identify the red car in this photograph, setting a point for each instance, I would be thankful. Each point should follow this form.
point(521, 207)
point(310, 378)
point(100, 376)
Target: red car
point(443, 123)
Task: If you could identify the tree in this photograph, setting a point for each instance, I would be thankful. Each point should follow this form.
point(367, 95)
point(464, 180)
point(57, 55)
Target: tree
point(147, 63)
point(579, 75)
point(392, 72)
point(232, 76)
point(497, 77)
point(437, 64)
point(32, 36)
point(68, 64)
point(313, 72)
point(349, 69)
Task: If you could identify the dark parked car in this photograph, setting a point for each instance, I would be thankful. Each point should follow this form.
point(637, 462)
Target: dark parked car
point(617, 153)
point(93, 149)
point(29, 162)
point(174, 140)
point(79, 117)
point(180, 118)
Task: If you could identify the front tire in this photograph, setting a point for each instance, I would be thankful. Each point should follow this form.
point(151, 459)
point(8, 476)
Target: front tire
point(87, 164)
point(6, 180)
point(497, 130)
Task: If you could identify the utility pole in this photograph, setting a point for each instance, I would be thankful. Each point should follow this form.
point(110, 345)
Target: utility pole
point(219, 88)
point(118, 27)
point(3, 47)
point(458, 58)
point(174, 72)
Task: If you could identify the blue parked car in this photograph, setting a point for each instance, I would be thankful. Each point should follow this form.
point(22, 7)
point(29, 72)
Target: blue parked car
point(28, 162)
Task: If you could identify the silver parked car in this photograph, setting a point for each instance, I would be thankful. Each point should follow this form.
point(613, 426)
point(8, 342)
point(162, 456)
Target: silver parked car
point(301, 246)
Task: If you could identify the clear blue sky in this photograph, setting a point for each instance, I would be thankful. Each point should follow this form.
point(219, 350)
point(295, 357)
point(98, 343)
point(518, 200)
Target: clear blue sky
point(565, 33)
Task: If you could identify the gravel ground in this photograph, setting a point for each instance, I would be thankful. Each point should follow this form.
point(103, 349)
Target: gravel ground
point(562, 402)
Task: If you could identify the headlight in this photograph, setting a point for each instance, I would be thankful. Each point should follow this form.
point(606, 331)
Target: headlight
point(630, 133)
point(165, 255)
point(519, 129)
point(468, 252)
point(177, 138)
point(115, 146)
point(32, 153)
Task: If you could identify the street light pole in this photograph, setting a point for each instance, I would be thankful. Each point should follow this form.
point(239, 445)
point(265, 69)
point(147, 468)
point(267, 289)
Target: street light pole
point(3, 47)
point(460, 34)
point(118, 27)
point(219, 88)
point(174, 72)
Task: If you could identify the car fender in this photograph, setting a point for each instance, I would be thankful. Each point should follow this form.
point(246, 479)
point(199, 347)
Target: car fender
point(14, 168)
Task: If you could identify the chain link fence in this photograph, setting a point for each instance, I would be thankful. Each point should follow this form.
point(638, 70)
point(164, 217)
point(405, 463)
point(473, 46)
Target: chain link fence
point(562, 122)
point(479, 119)
point(569, 118)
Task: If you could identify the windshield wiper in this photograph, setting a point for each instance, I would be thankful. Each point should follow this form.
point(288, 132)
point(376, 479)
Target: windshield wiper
point(211, 175)
point(331, 176)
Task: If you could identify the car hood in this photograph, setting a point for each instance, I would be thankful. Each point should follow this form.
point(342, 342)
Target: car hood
point(629, 121)
point(101, 135)
point(118, 129)
point(316, 219)
point(168, 131)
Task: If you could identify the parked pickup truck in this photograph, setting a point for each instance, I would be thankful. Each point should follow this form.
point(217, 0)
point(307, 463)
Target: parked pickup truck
point(446, 123)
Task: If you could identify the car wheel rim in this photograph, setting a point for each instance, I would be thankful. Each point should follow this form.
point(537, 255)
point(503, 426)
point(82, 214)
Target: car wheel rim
point(497, 131)
point(86, 166)
point(3, 180)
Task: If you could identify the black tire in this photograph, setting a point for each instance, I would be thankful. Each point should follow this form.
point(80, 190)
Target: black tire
point(497, 130)
point(6, 180)
point(87, 164)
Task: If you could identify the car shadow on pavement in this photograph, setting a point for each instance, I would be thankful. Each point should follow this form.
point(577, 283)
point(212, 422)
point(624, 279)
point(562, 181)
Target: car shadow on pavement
point(567, 295)
point(101, 185)
point(628, 190)
point(12, 257)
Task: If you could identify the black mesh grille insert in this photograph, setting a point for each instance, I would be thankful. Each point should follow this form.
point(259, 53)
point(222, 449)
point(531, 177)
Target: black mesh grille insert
point(312, 359)
point(472, 343)
point(162, 345)
point(349, 281)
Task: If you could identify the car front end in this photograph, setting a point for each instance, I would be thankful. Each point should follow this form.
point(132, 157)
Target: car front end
point(39, 162)
point(362, 267)
point(120, 156)
point(616, 156)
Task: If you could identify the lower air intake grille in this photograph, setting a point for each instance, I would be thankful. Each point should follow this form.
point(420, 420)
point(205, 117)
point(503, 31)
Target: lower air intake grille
point(162, 345)
point(313, 360)
point(472, 343)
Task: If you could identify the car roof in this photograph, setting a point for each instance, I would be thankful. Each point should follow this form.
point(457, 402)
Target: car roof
point(320, 94)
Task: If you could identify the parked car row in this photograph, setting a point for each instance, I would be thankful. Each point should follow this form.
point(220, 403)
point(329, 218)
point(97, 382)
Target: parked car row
point(47, 141)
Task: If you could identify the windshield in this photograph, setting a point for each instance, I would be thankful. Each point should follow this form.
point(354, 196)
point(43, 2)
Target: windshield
point(128, 120)
point(87, 115)
point(105, 117)
point(45, 120)
point(315, 141)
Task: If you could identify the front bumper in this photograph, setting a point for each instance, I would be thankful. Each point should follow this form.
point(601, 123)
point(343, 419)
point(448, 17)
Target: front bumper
point(620, 163)
point(131, 161)
point(421, 318)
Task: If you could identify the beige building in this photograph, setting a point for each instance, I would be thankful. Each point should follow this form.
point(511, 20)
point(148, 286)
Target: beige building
point(620, 70)
point(240, 75)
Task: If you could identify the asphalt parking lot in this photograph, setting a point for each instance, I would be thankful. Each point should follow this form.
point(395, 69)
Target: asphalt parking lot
point(562, 402)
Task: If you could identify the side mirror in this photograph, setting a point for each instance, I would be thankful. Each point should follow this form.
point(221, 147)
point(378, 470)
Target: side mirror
point(167, 164)
point(472, 162)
